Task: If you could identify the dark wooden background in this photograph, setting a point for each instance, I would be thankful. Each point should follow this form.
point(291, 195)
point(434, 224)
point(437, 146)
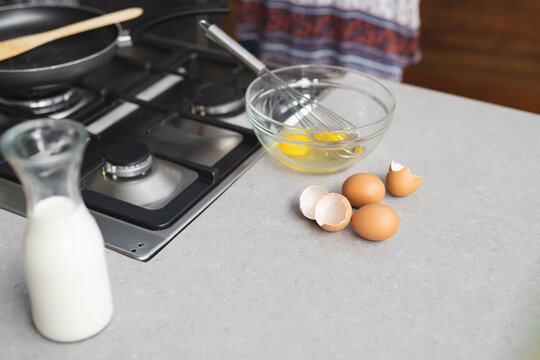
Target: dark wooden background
point(483, 49)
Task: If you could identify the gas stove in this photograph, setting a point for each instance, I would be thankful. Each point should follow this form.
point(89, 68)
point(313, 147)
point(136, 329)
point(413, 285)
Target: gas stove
point(168, 134)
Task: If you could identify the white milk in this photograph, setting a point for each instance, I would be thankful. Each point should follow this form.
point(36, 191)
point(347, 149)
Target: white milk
point(66, 272)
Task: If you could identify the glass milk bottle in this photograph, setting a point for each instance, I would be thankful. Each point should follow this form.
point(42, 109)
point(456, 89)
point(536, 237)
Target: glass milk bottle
point(63, 249)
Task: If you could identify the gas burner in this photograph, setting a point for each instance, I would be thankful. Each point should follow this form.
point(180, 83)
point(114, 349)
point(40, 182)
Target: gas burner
point(144, 194)
point(127, 159)
point(41, 106)
point(132, 175)
point(218, 98)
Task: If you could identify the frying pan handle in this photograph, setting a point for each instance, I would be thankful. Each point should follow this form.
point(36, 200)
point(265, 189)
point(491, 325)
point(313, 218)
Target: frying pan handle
point(152, 20)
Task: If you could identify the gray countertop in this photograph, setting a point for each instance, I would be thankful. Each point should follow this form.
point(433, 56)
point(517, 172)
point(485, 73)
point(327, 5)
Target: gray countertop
point(252, 279)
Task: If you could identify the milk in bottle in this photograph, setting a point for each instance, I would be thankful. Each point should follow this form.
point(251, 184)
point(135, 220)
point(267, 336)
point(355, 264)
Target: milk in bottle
point(63, 249)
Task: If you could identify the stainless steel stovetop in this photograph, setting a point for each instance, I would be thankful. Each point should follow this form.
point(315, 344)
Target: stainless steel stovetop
point(168, 135)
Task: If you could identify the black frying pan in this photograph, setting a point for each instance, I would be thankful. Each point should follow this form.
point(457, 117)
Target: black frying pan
point(58, 64)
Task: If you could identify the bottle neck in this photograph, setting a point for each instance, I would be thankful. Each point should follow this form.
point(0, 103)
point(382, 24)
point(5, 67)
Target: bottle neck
point(46, 155)
point(55, 179)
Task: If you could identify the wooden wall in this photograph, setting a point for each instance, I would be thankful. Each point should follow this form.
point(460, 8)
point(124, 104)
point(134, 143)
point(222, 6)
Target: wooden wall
point(483, 49)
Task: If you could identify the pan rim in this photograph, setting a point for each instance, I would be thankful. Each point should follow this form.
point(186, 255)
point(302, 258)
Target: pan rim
point(69, 63)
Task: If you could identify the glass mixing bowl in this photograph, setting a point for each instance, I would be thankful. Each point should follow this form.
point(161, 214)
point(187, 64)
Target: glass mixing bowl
point(363, 101)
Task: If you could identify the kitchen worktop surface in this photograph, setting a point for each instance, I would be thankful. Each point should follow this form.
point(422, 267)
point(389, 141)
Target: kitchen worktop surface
point(251, 278)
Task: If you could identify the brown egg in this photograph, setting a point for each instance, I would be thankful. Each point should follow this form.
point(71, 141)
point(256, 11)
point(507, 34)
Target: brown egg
point(400, 181)
point(375, 222)
point(362, 189)
point(333, 212)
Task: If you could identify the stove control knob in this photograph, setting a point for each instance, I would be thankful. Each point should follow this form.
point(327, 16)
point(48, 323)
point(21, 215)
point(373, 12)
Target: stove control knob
point(127, 159)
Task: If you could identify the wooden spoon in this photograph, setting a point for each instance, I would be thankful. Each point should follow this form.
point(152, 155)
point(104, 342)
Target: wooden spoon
point(13, 47)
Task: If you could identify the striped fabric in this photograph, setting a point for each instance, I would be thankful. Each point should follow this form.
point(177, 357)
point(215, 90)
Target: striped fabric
point(380, 37)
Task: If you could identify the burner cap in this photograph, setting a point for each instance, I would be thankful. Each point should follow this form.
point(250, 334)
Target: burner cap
point(127, 159)
point(44, 105)
point(218, 98)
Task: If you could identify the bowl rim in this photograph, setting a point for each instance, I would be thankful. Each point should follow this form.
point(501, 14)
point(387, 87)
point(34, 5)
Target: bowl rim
point(387, 116)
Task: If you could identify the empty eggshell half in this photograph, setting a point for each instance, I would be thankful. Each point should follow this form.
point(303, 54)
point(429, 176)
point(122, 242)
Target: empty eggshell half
point(400, 181)
point(309, 199)
point(333, 212)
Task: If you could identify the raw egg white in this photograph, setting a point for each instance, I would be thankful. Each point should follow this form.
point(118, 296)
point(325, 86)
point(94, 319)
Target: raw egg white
point(362, 189)
point(375, 222)
point(400, 181)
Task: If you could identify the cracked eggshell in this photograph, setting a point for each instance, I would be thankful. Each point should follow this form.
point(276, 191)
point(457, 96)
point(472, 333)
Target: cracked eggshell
point(333, 212)
point(309, 199)
point(400, 181)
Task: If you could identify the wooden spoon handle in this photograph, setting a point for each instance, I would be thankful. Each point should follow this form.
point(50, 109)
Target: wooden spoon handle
point(13, 47)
